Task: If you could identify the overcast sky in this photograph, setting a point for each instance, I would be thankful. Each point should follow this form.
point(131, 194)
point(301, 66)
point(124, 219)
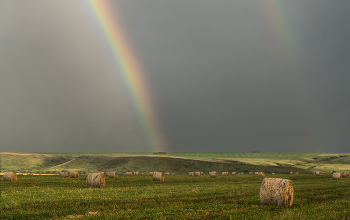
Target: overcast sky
point(225, 76)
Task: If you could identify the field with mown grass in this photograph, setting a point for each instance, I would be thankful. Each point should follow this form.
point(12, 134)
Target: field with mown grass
point(178, 197)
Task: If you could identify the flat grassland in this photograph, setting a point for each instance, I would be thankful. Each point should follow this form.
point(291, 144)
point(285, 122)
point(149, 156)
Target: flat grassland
point(178, 197)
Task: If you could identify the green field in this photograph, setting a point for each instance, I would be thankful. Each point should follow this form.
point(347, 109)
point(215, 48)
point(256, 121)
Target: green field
point(178, 197)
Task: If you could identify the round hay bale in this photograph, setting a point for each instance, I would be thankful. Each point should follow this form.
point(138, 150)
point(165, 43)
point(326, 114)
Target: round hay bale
point(191, 174)
point(273, 173)
point(344, 174)
point(198, 173)
point(96, 180)
point(318, 173)
point(65, 174)
point(250, 173)
point(129, 173)
point(137, 173)
point(150, 174)
point(348, 173)
point(234, 173)
point(336, 176)
point(296, 172)
point(256, 173)
point(112, 174)
point(261, 174)
point(291, 173)
point(142, 174)
point(75, 175)
point(225, 174)
point(9, 176)
point(158, 176)
point(213, 174)
point(276, 191)
point(242, 173)
point(167, 173)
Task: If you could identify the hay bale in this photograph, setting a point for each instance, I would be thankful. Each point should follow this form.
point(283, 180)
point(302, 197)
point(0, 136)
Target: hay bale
point(296, 172)
point(75, 175)
point(112, 174)
point(158, 176)
point(336, 176)
point(213, 174)
point(291, 173)
point(344, 174)
point(318, 173)
point(348, 173)
point(96, 180)
point(242, 173)
point(250, 173)
point(191, 174)
point(150, 174)
point(256, 173)
point(273, 173)
point(142, 174)
point(9, 176)
point(234, 173)
point(65, 174)
point(261, 174)
point(129, 173)
point(225, 173)
point(276, 191)
point(167, 173)
point(137, 173)
point(198, 173)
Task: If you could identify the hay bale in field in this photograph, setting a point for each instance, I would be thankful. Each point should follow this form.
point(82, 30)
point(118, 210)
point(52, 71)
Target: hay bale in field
point(213, 174)
point(142, 174)
point(96, 180)
point(225, 173)
point(191, 174)
point(198, 173)
point(158, 176)
point(167, 173)
point(318, 173)
point(234, 173)
point(348, 173)
point(242, 173)
point(291, 173)
point(256, 173)
point(296, 172)
point(344, 174)
point(150, 174)
point(74, 175)
point(137, 173)
point(65, 174)
point(273, 173)
point(129, 173)
point(250, 173)
point(9, 176)
point(276, 191)
point(112, 174)
point(261, 174)
point(336, 176)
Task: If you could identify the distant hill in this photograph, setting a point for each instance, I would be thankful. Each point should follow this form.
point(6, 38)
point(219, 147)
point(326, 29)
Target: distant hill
point(177, 163)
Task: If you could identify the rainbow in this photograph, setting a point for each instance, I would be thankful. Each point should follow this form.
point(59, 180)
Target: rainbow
point(276, 19)
point(130, 69)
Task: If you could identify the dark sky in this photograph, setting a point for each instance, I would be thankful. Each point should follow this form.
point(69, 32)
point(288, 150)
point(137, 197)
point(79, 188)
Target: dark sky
point(228, 76)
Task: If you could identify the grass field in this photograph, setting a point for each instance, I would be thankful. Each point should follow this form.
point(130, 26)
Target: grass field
point(178, 197)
